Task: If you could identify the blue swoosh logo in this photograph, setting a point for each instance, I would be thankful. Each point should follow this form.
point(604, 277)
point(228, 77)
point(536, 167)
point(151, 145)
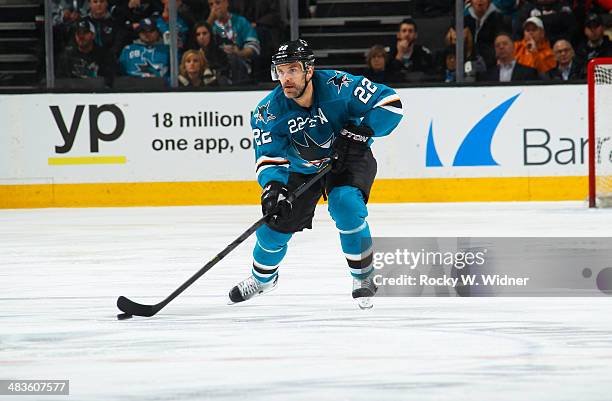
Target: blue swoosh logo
point(475, 150)
point(431, 158)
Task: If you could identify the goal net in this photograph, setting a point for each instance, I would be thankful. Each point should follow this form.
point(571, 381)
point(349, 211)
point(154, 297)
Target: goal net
point(600, 132)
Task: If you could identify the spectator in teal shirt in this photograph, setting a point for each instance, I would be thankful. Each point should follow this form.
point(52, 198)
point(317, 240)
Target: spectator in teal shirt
point(237, 38)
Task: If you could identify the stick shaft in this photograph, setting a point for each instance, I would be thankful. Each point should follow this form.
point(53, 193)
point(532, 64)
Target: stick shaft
point(139, 310)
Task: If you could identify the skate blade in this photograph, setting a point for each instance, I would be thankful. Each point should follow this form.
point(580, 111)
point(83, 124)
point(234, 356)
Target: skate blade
point(365, 303)
point(230, 302)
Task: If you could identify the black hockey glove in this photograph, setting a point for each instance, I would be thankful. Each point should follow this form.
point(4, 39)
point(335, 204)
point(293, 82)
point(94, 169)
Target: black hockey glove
point(352, 141)
point(274, 200)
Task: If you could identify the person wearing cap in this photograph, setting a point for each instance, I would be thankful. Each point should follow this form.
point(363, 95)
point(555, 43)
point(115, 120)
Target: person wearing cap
point(84, 59)
point(558, 18)
point(596, 44)
point(131, 12)
point(147, 57)
point(534, 50)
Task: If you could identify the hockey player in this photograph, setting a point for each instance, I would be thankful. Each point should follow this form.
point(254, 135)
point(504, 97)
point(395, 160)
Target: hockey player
point(313, 118)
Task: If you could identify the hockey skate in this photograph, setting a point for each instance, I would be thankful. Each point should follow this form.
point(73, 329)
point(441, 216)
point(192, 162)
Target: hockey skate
point(249, 288)
point(363, 291)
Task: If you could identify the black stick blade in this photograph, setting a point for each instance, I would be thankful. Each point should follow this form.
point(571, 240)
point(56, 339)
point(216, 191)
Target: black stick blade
point(133, 308)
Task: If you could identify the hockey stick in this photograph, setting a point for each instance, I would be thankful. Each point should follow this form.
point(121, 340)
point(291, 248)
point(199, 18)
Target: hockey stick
point(131, 308)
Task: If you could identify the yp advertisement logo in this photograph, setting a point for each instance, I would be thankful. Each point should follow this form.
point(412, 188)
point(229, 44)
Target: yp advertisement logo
point(475, 150)
point(69, 134)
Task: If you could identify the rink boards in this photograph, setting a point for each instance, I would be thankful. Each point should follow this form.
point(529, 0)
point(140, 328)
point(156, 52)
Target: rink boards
point(453, 144)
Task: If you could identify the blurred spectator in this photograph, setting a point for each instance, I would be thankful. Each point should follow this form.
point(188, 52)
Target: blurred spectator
point(163, 24)
point(450, 64)
point(450, 39)
point(194, 71)
point(65, 14)
point(147, 56)
point(508, 69)
point(485, 21)
point(596, 44)
point(433, 8)
point(197, 9)
point(131, 12)
point(567, 67)
point(110, 33)
point(85, 59)
point(265, 18)
point(473, 62)
point(67, 11)
point(205, 41)
point(377, 71)
point(408, 57)
point(507, 7)
point(534, 50)
point(237, 38)
point(558, 18)
point(306, 8)
point(606, 5)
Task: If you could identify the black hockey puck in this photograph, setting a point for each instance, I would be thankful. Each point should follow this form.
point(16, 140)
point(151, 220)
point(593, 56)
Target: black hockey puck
point(123, 316)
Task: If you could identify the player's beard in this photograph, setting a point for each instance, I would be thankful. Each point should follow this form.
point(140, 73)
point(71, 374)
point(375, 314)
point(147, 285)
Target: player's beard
point(297, 89)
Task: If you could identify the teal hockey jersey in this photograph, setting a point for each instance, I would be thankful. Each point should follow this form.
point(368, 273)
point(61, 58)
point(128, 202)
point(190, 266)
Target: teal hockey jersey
point(290, 138)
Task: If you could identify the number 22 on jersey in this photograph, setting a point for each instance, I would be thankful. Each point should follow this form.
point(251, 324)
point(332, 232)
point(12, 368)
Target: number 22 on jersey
point(363, 94)
point(261, 137)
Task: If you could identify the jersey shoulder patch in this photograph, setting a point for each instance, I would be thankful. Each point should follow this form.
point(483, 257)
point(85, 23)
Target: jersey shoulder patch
point(337, 81)
point(269, 110)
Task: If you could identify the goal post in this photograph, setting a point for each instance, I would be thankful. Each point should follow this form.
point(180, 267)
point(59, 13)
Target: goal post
point(599, 78)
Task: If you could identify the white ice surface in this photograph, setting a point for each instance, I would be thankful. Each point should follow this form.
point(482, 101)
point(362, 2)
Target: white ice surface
point(62, 269)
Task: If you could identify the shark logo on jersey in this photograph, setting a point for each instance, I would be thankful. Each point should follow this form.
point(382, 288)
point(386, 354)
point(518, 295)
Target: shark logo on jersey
point(263, 113)
point(149, 69)
point(339, 80)
point(313, 153)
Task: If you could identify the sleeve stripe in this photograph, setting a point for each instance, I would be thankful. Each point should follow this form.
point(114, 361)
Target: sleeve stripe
point(267, 163)
point(388, 100)
point(265, 158)
point(394, 103)
point(391, 103)
point(395, 110)
point(267, 166)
